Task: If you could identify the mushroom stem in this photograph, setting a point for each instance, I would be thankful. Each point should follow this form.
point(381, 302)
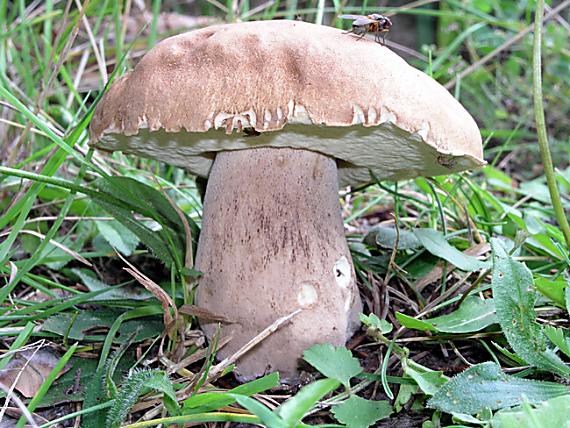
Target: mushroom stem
point(273, 241)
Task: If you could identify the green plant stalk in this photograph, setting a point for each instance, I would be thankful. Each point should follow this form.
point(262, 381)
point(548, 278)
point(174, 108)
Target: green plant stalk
point(541, 126)
point(400, 351)
point(202, 417)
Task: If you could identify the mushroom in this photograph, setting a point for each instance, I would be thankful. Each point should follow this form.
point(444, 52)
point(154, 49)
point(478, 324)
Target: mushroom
point(316, 109)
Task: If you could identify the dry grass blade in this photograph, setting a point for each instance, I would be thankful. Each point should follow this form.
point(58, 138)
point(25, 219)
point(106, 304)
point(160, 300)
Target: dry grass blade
point(204, 314)
point(10, 396)
point(157, 291)
point(196, 356)
point(62, 247)
point(265, 333)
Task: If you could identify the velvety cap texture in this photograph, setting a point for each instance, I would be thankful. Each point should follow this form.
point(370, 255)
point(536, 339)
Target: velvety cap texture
point(300, 86)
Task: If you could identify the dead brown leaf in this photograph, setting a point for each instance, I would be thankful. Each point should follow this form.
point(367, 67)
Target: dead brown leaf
point(28, 370)
point(204, 314)
point(158, 292)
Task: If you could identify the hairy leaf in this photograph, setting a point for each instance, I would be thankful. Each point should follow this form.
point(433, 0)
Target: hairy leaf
point(514, 301)
point(486, 386)
point(551, 413)
point(118, 236)
point(136, 384)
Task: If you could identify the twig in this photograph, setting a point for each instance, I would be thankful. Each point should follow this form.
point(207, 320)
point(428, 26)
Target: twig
point(221, 366)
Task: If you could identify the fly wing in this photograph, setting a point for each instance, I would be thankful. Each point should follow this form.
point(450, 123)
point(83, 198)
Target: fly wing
point(358, 19)
point(362, 20)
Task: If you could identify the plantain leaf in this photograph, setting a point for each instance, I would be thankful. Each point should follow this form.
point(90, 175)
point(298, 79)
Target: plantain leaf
point(474, 314)
point(486, 386)
point(269, 418)
point(551, 413)
point(385, 237)
point(436, 244)
point(514, 301)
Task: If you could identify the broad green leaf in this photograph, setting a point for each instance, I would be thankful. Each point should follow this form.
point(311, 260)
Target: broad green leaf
point(372, 321)
point(537, 189)
point(357, 412)
point(73, 385)
point(436, 244)
point(428, 380)
point(514, 302)
point(559, 337)
point(333, 362)
point(545, 243)
point(81, 326)
point(269, 418)
point(509, 354)
point(486, 386)
point(553, 289)
point(136, 384)
point(413, 323)
point(118, 236)
point(385, 237)
point(121, 196)
point(405, 394)
point(114, 292)
point(474, 314)
point(145, 200)
point(296, 407)
point(548, 414)
point(149, 238)
point(207, 401)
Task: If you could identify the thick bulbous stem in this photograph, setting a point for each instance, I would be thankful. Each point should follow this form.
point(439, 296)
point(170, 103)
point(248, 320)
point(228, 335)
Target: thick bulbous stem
point(273, 241)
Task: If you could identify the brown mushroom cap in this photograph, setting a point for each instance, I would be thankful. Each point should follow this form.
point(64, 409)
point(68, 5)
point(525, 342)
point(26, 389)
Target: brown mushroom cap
point(287, 76)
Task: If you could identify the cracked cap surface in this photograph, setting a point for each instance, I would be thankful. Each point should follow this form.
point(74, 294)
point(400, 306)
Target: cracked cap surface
point(300, 86)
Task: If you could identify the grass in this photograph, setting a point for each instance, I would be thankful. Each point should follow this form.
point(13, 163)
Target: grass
point(441, 319)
